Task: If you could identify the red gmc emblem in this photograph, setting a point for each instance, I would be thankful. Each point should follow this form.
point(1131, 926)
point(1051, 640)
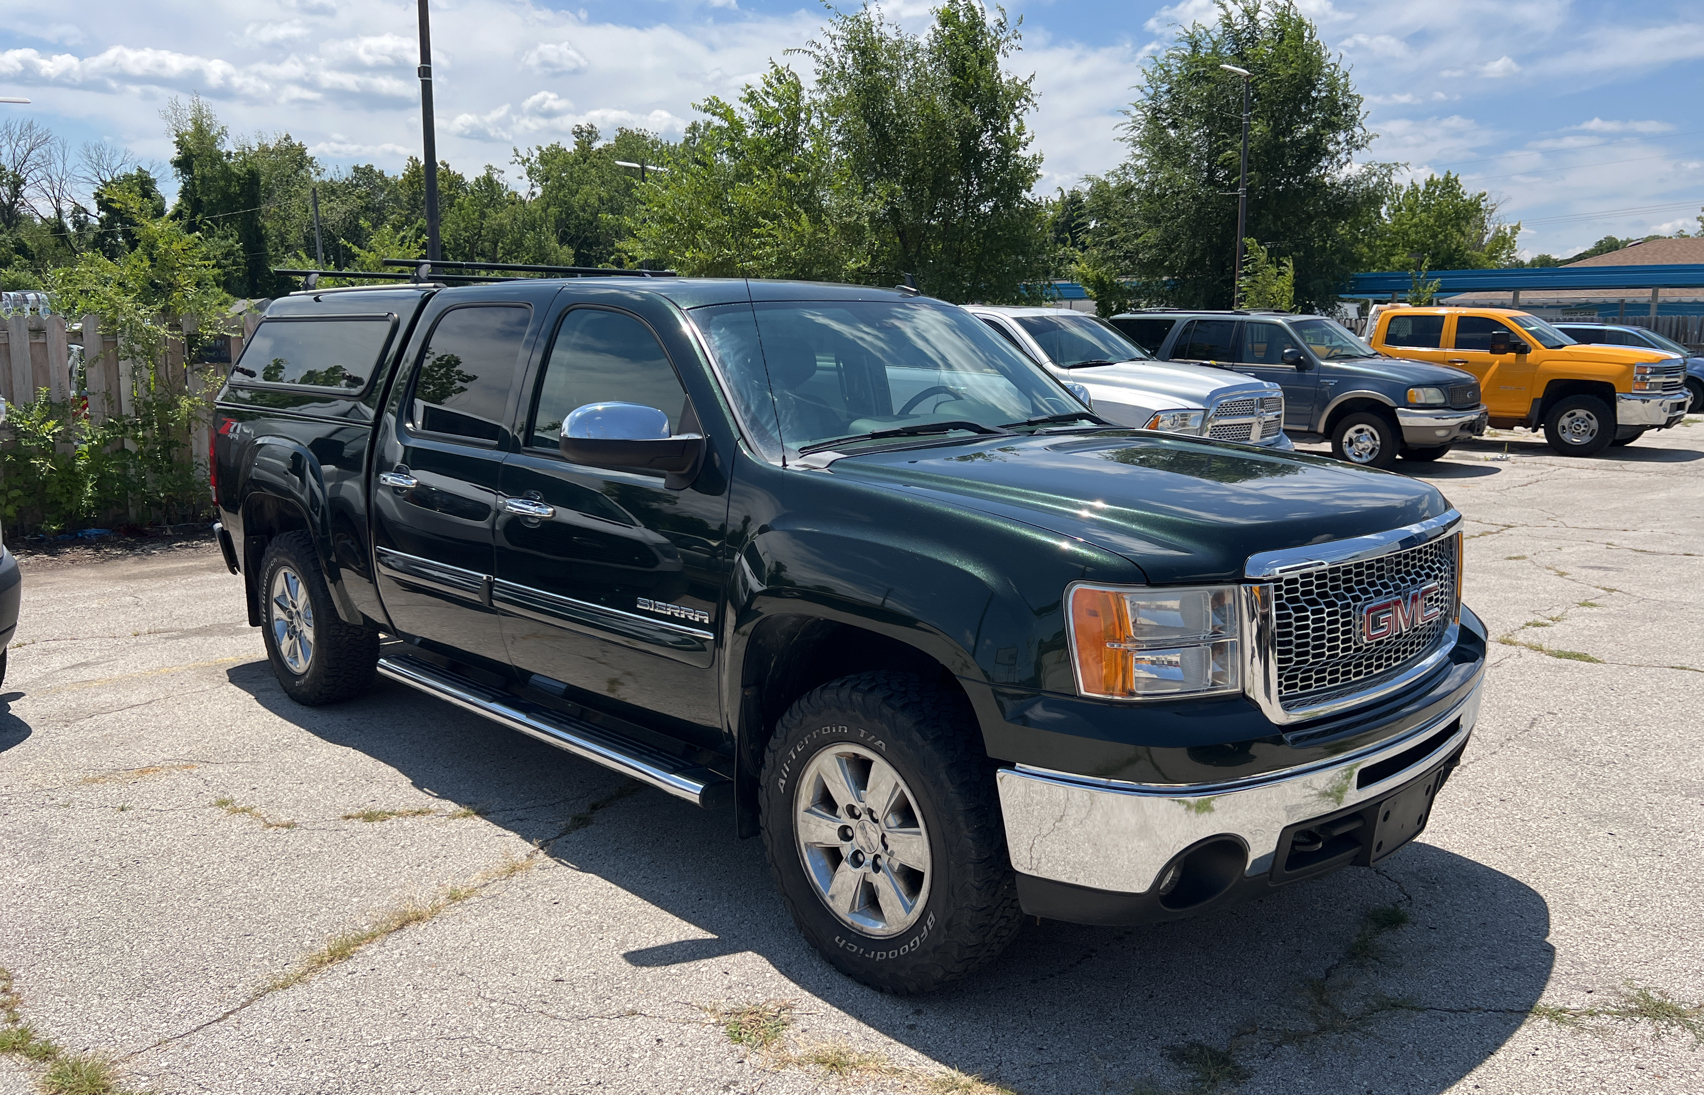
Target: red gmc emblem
point(1381, 620)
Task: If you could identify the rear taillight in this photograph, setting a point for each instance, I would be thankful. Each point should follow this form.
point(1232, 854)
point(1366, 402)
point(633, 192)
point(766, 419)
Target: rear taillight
point(223, 429)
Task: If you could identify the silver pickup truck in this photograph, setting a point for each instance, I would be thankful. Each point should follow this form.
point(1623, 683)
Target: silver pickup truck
point(1132, 388)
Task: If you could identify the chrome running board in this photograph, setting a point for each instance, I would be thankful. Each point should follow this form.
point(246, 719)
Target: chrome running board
point(694, 783)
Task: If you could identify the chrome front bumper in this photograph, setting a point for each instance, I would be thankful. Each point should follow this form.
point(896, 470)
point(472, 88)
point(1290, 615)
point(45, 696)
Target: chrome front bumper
point(1429, 428)
point(1656, 409)
point(1116, 836)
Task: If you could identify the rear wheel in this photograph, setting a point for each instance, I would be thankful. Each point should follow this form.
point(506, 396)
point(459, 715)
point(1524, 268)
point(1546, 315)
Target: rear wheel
point(1695, 388)
point(883, 831)
point(1425, 455)
point(1366, 438)
point(1579, 425)
point(316, 657)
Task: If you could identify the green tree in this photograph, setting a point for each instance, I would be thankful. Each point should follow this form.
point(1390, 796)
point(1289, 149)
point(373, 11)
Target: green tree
point(933, 132)
point(582, 202)
point(1267, 283)
point(121, 205)
point(1168, 214)
point(1448, 228)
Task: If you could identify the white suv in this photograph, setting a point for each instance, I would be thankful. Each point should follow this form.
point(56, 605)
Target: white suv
point(1133, 389)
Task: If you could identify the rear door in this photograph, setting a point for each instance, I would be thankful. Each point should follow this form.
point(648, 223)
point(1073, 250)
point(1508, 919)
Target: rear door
point(437, 470)
point(1505, 380)
point(1208, 341)
point(1148, 332)
point(1261, 353)
point(609, 581)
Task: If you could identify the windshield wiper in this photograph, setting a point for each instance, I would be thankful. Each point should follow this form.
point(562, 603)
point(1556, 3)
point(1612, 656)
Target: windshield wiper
point(915, 430)
point(1092, 362)
point(1050, 419)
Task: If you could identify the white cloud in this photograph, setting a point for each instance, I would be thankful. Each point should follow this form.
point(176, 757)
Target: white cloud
point(547, 104)
point(1501, 67)
point(1599, 125)
point(1380, 45)
point(373, 51)
point(556, 57)
point(493, 125)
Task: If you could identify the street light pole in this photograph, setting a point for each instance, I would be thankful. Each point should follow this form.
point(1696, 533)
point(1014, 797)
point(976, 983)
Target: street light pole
point(1242, 189)
point(430, 142)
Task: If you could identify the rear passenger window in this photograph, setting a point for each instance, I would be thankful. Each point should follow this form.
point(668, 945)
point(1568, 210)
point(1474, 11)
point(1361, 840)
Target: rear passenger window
point(1206, 340)
point(465, 374)
point(1421, 332)
point(1150, 334)
point(340, 352)
point(604, 357)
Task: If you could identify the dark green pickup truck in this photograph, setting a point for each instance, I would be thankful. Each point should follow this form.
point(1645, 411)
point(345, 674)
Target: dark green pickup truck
point(843, 564)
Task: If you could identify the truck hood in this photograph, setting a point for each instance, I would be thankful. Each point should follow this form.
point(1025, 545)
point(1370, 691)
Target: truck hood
point(1182, 509)
point(1404, 369)
point(1619, 355)
point(1148, 383)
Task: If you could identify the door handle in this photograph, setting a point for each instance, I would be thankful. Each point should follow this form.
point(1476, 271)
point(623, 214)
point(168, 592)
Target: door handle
point(527, 507)
point(1455, 361)
point(399, 479)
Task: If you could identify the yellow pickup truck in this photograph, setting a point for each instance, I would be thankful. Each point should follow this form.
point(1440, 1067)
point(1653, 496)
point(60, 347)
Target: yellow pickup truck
point(1585, 398)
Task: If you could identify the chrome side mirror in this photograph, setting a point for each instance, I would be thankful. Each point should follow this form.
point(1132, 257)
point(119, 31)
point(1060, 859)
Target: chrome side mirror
point(1081, 392)
point(631, 437)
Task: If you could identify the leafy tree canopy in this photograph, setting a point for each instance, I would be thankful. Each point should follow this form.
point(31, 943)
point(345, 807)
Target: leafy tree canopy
point(1437, 222)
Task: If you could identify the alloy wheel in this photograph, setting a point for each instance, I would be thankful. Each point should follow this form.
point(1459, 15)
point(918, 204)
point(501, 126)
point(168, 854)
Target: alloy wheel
point(1361, 444)
point(292, 620)
point(862, 840)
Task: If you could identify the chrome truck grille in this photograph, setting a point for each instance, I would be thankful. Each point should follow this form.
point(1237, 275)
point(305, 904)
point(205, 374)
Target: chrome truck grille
point(1339, 624)
point(1668, 376)
point(1253, 419)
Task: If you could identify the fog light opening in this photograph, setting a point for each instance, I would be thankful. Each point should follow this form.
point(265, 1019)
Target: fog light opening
point(1201, 873)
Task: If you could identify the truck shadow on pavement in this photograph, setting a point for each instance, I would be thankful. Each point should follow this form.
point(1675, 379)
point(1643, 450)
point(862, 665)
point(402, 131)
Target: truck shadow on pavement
point(1400, 979)
point(13, 730)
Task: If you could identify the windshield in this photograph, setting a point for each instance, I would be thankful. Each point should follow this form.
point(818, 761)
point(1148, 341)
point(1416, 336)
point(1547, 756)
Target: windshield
point(1665, 343)
point(1330, 340)
point(1070, 340)
point(1543, 333)
point(804, 372)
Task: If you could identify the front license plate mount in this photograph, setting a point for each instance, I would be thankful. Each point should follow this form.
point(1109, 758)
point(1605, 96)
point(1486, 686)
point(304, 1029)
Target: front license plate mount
point(1403, 816)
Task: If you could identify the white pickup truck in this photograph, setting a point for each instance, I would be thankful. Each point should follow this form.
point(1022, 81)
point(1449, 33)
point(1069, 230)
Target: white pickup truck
point(1131, 388)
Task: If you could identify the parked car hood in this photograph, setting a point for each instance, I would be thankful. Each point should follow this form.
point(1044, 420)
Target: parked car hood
point(1619, 355)
point(1404, 369)
point(1187, 385)
point(1182, 509)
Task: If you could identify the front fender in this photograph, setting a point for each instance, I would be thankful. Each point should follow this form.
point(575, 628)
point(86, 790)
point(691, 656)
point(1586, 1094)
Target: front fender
point(1357, 393)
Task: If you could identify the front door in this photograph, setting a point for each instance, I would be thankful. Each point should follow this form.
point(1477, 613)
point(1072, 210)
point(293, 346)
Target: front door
point(1261, 354)
point(1505, 380)
point(609, 581)
point(438, 470)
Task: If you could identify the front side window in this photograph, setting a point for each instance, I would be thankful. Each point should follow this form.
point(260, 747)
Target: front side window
point(1330, 340)
point(330, 352)
point(1542, 333)
point(1206, 340)
point(1072, 341)
point(1264, 343)
point(603, 357)
point(470, 362)
point(1474, 332)
point(803, 372)
point(1419, 332)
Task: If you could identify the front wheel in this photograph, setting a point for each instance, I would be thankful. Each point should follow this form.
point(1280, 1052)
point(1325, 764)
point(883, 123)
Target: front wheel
point(883, 831)
point(1366, 438)
point(316, 657)
point(1580, 425)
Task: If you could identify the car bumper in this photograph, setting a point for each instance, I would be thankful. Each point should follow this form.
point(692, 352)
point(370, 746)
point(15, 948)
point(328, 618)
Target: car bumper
point(1662, 410)
point(11, 590)
point(1101, 851)
point(1428, 429)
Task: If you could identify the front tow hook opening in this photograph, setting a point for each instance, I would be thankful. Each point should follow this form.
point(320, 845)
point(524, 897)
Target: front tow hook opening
point(1201, 873)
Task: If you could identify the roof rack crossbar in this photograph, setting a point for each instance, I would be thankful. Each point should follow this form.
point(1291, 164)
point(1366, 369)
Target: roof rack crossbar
point(526, 268)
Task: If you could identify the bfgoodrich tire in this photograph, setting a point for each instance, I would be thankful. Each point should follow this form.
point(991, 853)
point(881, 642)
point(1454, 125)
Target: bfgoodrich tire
point(1579, 425)
point(316, 657)
point(882, 827)
point(1366, 438)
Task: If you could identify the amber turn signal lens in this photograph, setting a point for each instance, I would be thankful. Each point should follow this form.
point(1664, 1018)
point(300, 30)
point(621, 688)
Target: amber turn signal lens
point(1100, 627)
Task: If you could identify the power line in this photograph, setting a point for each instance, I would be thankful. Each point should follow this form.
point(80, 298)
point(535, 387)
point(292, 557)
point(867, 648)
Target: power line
point(1626, 212)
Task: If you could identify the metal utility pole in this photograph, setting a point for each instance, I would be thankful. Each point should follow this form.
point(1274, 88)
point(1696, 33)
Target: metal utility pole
point(434, 253)
point(1242, 188)
point(319, 242)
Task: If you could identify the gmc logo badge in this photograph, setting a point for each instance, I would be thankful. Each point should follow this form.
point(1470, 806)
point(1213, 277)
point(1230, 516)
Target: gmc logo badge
point(1381, 620)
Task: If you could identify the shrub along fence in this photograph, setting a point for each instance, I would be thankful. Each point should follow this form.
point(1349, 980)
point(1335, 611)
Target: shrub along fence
point(98, 436)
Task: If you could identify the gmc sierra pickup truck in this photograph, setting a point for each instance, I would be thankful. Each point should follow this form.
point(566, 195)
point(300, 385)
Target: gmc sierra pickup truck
point(845, 565)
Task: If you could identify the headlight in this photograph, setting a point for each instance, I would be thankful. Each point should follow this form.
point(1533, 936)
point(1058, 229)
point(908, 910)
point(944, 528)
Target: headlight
point(1177, 421)
point(1427, 397)
point(1142, 643)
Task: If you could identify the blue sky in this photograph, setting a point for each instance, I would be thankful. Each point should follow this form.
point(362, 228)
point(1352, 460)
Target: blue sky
point(1580, 117)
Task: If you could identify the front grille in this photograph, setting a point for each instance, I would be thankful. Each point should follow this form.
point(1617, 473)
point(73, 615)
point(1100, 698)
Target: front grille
point(1231, 431)
point(1667, 378)
point(1464, 397)
point(1254, 419)
point(1236, 408)
point(1316, 648)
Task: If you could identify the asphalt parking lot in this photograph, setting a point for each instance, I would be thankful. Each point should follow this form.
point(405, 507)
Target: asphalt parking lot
point(222, 891)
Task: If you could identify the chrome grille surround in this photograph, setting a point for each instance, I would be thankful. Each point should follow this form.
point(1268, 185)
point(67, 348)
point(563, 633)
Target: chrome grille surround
point(1301, 657)
point(1464, 397)
point(1256, 419)
point(1668, 376)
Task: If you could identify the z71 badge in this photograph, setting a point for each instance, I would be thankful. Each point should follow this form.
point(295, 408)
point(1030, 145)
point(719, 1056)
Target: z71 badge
point(696, 615)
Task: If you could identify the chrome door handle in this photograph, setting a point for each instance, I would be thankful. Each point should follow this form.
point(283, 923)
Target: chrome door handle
point(399, 479)
point(526, 507)
point(1455, 361)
